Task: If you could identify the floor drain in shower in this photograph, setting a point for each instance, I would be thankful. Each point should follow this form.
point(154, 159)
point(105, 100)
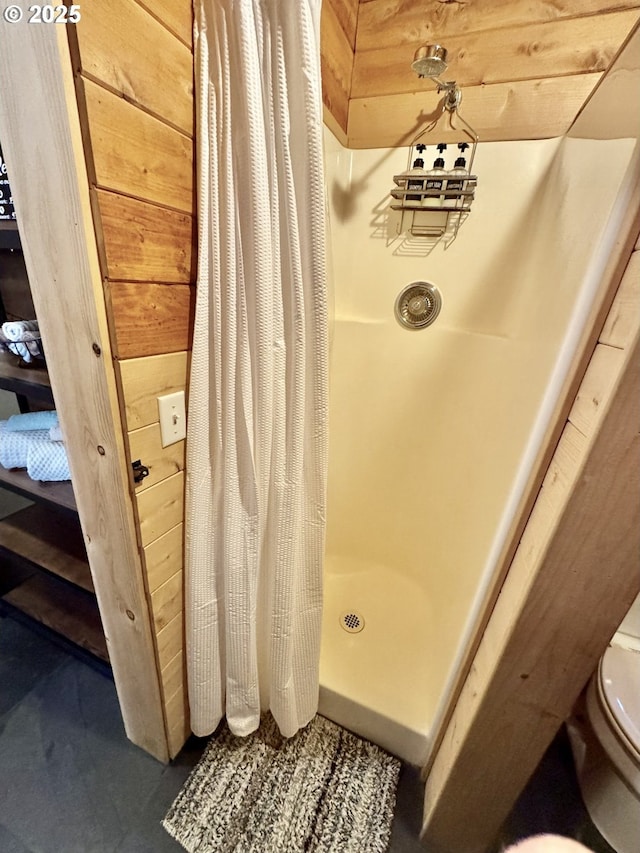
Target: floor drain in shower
point(352, 622)
point(418, 305)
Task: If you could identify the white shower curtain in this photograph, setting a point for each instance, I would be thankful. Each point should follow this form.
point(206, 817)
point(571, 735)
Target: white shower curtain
point(257, 429)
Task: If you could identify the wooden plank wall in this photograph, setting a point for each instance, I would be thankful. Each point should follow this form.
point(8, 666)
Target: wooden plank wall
point(42, 138)
point(525, 68)
point(337, 45)
point(577, 556)
point(134, 83)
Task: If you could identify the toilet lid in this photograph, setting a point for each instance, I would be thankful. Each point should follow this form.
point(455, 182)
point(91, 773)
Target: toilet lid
point(620, 684)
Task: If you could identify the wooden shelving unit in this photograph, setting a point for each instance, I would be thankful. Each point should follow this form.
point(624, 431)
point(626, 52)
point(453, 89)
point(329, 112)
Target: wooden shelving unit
point(33, 383)
point(31, 380)
point(44, 541)
point(49, 541)
point(62, 608)
point(58, 494)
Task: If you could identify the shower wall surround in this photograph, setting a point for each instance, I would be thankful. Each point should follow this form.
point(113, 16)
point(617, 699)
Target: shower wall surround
point(433, 430)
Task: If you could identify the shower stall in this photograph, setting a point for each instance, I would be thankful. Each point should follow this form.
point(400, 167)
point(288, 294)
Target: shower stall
point(434, 431)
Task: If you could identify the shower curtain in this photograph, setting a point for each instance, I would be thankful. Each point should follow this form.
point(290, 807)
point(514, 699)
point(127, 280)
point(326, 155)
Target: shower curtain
point(257, 429)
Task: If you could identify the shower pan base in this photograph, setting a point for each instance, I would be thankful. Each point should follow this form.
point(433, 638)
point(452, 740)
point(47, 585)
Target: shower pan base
point(384, 682)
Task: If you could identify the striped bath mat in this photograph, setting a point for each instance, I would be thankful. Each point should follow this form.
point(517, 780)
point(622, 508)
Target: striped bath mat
point(323, 791)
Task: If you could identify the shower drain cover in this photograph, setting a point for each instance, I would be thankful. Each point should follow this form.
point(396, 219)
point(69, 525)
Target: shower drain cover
point(352, 622)
point(418, 305)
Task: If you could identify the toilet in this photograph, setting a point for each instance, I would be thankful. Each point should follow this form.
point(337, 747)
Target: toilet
point(605, 739)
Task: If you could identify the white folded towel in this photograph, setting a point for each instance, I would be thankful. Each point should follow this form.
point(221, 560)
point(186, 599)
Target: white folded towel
point(14, 446)
point(47, 461)
point(55, 433)
point(32, 420)
point(15, 331)
point(27, 350)
point(22, 337)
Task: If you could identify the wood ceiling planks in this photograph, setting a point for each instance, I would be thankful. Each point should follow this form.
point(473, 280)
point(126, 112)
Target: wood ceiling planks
point(398, 22)
point(346, 12)
point(530, 109)
point(525, 67)
point(538, 51)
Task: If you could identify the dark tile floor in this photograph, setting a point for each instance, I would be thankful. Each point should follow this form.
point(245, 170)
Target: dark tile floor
point(70, 781)
point(551, 802)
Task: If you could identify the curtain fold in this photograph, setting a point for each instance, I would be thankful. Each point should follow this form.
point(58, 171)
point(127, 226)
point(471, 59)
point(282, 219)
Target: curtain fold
point(257, 427)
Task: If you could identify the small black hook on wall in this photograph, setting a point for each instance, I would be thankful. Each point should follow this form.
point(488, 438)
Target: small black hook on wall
point(140, 471)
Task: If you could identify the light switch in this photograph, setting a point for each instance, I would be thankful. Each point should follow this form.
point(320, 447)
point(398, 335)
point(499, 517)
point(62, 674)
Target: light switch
point(173, 418)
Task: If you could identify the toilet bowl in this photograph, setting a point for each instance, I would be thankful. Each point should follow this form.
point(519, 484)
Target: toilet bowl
point(606, 745)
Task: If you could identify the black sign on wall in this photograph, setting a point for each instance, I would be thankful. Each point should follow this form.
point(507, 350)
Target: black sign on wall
point(6, 198)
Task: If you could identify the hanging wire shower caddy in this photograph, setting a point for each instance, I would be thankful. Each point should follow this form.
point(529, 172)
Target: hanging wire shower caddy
point(434, 204)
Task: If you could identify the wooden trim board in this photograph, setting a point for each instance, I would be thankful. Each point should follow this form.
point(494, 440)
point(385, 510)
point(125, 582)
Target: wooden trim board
point(39, 124)
point(579, 548)
point(619, 326)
